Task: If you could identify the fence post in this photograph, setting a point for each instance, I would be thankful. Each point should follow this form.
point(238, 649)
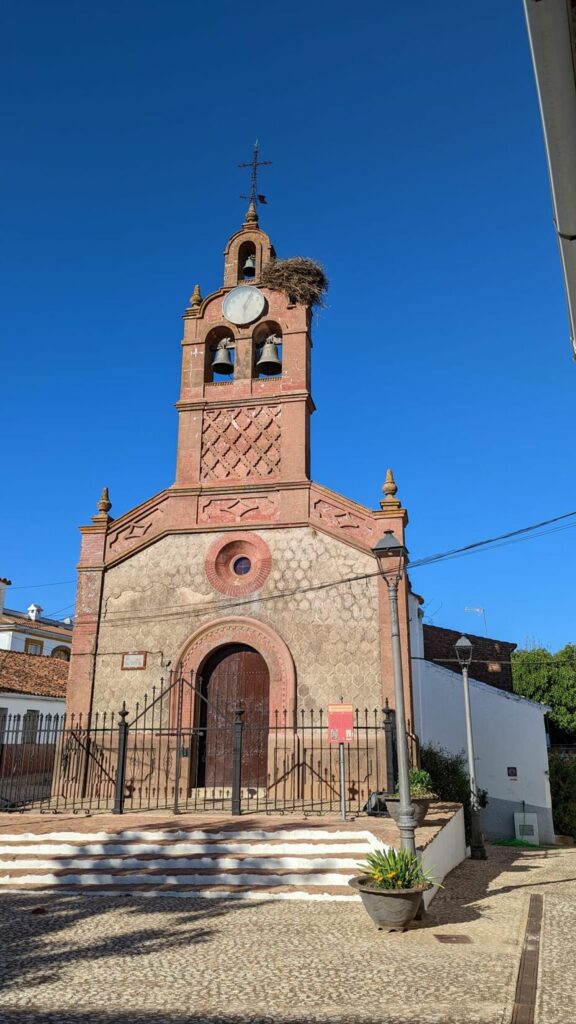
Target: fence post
point(178, 747)
point(121, 766)
point(237, 760)
point(389, 736)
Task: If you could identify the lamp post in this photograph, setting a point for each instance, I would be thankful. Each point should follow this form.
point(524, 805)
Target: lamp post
point(463, 648)
point(391, 556)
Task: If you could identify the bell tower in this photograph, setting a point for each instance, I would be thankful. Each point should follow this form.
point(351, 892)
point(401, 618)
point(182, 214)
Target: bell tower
point(245, 403)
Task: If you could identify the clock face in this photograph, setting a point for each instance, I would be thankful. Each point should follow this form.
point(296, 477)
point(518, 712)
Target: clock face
point(243, 305)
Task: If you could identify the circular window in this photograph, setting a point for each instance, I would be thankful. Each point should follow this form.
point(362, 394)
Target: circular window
point(242, 566)
point(238, 563)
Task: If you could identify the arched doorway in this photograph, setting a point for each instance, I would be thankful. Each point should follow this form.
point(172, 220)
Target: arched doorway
point(234, 676)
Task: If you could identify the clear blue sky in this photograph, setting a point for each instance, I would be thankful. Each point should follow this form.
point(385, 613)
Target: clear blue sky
point(408, 158)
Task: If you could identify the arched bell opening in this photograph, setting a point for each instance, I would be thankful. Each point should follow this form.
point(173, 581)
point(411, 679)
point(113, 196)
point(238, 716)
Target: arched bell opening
point(234, 676)
point(267, 349)
point(247, 262)
point(220, 355)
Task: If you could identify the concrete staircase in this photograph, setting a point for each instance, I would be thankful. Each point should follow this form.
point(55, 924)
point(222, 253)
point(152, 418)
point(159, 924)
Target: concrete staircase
point(303, 864)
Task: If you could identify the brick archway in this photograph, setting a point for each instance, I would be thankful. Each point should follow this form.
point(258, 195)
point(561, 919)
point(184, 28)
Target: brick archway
point(242, 630)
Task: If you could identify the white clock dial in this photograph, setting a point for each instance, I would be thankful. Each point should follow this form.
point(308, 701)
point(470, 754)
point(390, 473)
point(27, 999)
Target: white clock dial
point(243, 305)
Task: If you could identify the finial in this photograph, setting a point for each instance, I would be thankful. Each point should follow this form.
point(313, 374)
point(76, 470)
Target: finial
point(251, 214)
point(255, 197)
point(390, 490)
point(196, 297)
point(104, 504)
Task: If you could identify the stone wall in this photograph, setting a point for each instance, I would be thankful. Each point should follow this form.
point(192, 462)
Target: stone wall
point(156, 599)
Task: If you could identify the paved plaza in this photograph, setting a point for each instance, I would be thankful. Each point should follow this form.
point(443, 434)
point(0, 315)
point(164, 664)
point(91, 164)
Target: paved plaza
point(74, 959)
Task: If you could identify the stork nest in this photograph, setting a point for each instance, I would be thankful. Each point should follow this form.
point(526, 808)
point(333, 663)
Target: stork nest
point(302, 280)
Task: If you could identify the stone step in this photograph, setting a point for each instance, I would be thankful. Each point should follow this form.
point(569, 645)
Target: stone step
point(212, 891)
point(261, 862)
point(262, 878)
point(279, 863)
point(204, 835)
point(106, 849)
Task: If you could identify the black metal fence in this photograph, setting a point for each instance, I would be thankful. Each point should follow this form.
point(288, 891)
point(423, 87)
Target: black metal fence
point(178, 751)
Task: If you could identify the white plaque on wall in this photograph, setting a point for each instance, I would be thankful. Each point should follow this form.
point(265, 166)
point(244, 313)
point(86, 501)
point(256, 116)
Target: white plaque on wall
point(134, 660)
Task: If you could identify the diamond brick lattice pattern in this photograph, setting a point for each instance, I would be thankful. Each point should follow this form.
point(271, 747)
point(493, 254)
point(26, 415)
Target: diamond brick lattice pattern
point(241, 443)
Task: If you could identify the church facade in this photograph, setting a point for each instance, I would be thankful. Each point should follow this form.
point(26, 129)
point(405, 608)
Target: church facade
point(244, 567)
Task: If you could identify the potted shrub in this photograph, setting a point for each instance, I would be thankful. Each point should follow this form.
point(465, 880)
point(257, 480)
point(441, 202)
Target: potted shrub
point(421, 796)
point(391, 887)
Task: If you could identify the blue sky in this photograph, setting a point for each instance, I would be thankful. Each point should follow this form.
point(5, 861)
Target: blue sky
point(407, 156)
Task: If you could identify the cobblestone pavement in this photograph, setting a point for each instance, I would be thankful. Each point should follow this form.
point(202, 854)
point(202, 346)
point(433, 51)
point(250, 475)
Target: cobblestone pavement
point(76, 959)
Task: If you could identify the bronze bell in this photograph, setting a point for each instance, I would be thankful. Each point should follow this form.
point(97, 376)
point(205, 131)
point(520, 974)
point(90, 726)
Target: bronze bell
point(269, 362)
point(249, 268)
point(222, 362)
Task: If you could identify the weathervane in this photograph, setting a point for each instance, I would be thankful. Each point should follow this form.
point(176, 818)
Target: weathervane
point(254, 164)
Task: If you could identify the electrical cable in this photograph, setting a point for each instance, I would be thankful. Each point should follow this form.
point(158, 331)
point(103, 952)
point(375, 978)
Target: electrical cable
point(500, 540)
point(202, 608)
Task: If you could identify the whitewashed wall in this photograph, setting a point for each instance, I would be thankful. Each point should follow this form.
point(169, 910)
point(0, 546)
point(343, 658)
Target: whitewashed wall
point(508, 730)
point(12, 640)
point(18, 704)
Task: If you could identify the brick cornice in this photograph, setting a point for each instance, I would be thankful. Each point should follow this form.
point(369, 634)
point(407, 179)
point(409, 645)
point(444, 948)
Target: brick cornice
point(284, 397)
point(221, 487)
point(393, 513)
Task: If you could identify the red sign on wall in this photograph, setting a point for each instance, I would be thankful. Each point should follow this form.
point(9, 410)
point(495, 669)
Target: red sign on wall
point(340, 723)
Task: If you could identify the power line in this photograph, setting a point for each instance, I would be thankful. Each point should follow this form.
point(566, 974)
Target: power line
point(494, 540)
point(500, 540)
point(192, 610)
point(38, 586)
point(50, 615)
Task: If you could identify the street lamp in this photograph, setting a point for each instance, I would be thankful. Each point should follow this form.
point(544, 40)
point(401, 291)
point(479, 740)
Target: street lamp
point(463, 648)
point(391, 556)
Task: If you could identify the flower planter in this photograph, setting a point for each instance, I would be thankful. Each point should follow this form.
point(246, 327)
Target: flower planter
point(391, 910)
point(421, 805)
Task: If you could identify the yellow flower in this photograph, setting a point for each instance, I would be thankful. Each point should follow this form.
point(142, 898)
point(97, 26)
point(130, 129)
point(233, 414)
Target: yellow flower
point(391, 874)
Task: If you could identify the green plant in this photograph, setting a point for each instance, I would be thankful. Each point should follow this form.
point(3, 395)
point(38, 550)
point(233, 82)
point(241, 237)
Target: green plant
point(449, 775)
point(395, 869)
point(562, 774)
point(421, 786)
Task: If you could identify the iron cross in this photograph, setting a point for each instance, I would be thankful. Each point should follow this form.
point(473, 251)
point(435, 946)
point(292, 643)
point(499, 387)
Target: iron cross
point(254, 164)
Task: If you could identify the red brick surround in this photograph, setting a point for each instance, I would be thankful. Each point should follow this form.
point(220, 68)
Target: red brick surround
point(226, 551)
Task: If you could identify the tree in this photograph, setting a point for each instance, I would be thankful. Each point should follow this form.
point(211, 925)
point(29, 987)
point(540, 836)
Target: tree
point(550, 679)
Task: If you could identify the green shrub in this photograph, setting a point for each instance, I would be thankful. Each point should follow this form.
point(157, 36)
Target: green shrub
point(395, 869)
point(563, 791)
point(449, 775)
point(420, 784)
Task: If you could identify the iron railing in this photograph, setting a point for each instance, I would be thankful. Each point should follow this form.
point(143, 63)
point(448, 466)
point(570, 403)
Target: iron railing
point(178, 751)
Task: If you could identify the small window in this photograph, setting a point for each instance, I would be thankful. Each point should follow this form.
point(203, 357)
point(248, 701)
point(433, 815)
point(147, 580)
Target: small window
point(267, 350)
point(242, 566)
point(61, 652)
point(220, 356)
point(30, 726)
point(33, 646)
point(247, 261)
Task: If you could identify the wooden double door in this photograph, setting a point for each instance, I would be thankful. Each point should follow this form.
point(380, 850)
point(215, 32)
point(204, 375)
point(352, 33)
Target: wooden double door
point(235, 676)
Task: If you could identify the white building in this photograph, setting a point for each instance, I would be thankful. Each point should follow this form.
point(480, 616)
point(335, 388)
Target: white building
point(32, 698)
point(510, 745)
point(31, 632)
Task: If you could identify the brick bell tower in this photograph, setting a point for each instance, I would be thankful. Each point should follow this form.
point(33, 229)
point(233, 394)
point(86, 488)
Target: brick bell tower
point(245, 403)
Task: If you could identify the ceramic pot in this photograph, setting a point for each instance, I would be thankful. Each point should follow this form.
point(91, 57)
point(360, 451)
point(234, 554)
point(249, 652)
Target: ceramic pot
point(421, 805)
point(391, 910)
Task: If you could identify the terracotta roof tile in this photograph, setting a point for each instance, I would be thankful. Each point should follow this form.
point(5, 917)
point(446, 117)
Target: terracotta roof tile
point(34, 674)
point(40, 625)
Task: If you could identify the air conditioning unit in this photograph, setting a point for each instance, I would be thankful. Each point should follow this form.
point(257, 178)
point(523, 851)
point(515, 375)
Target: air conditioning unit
point(526, 827)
